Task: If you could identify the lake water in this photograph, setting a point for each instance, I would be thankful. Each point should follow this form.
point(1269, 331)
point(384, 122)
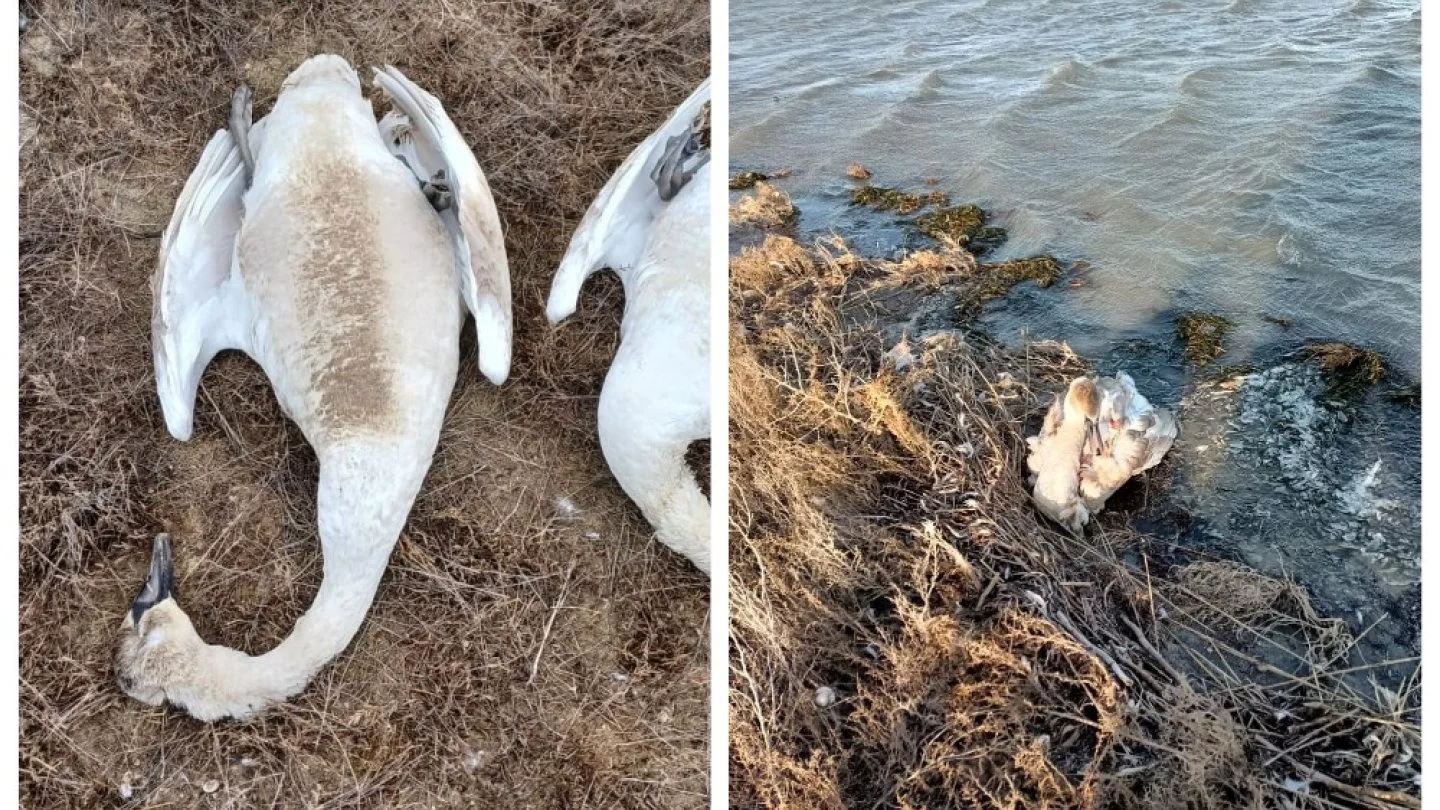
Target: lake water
point(1245, 158)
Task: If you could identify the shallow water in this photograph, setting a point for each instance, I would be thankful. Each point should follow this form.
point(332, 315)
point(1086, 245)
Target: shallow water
point(1245, 158)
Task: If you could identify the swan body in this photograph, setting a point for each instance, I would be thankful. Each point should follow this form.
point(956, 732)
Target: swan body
point(1134, 435)
point(1066, 440)
point(1127, 435)
point(650, 224)
point(328, 265)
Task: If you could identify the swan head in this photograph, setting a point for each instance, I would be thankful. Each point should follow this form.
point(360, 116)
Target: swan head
point(162, 658)
point(1083, 398)
point(157, 640)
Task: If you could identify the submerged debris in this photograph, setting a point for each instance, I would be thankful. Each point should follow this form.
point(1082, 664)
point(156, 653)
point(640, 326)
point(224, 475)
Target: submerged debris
point(1407, 395)
point(1349, 369)
point(1203, 335)
point(745, 180)
point(883, 198)
point(963, 225)
point(1279, 320)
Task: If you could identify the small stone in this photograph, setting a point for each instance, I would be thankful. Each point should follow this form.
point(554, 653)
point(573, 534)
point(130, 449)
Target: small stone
point(126, 791)
point(210, 786)
point(855, 171)
point(565, 509)
point(824, 697)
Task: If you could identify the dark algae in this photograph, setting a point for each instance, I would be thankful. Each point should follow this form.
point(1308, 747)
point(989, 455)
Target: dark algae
point(882, 198)
point(744, 180)
point(962, 224)
point(1203, 335)
point(1351, 370)
point(995, 279)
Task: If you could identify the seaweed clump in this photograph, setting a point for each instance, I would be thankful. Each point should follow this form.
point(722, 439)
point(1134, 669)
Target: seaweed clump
point(745, 180)
point(964, 225)
point(1350, 370)
point(883, 198)
point(996, 279)
point(1203, 335)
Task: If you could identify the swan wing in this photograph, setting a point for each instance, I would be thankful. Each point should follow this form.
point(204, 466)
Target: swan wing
point(1159, 438)
point(197, 312)
point(614, 231)
point(419, 131)
point(1135, 403)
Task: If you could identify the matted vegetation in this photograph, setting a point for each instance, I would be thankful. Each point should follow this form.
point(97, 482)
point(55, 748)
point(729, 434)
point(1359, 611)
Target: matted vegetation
point(908, 632)
point(521, 653)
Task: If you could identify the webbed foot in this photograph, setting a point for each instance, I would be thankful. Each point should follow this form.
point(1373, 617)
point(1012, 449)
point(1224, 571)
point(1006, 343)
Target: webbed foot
point(437, 191)
point(239, 126)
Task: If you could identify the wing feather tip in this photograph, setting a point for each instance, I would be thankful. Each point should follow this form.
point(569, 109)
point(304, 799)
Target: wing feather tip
point(493, 335)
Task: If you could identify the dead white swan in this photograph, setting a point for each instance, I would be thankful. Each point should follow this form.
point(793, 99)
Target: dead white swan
point(1103, 434)
point(340, 278)
point(651, 225)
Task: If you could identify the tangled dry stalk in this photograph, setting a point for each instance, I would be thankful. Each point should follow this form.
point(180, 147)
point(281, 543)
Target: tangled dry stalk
point(518, 654)
point(908, 633)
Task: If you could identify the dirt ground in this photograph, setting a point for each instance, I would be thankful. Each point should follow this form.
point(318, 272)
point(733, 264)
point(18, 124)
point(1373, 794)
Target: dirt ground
point(453, 694)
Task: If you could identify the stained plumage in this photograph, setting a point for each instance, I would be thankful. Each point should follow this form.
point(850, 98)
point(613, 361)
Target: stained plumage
point(337, 275)
point(1073, 475)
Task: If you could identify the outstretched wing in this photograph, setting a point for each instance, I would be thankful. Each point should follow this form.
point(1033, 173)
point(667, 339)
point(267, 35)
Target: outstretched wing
point(419, 132)
point(615, 228)
point(194, 307)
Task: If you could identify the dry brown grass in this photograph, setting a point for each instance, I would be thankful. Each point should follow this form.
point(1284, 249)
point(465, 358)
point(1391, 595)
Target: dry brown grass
point(433, 704)
point(884, 556)
point(768, 207)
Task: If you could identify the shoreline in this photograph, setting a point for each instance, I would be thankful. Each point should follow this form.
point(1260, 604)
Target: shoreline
point(1189, 358)
point(1174, 639)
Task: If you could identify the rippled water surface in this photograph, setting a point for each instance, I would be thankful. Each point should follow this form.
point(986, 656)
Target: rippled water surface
point(1244, 158)
point(1247, 157)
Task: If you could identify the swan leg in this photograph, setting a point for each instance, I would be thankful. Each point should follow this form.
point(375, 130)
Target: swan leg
point(670, 174)
point(239, 125)
point(648, 418)
point(437, 191)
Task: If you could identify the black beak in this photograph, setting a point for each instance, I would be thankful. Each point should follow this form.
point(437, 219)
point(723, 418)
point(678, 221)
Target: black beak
point(160, 585)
